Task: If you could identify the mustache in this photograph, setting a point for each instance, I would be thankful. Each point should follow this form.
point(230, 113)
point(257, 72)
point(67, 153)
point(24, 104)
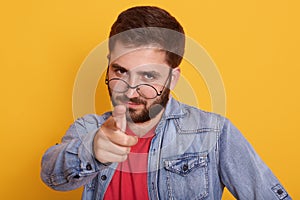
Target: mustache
point(133, 100)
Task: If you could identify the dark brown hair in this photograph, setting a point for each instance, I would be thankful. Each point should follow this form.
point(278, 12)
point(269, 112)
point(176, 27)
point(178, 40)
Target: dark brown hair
point(149, 25)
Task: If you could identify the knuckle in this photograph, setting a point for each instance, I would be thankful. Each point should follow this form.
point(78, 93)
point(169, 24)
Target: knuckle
point(123, 157)
point(125, 151)
point(110, 123)
point(128, 150)
point(101, 132)
point(125, 141)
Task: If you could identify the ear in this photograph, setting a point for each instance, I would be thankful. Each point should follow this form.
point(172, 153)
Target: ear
point(108, 58)
point(175, 77)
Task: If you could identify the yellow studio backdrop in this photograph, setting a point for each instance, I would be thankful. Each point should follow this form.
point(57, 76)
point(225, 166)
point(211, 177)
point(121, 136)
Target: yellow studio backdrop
point(255, 45)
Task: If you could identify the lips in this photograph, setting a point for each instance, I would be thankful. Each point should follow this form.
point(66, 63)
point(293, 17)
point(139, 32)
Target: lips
point(131, 104)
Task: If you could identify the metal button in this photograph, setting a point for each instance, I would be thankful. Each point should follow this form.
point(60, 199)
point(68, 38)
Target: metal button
point(77, 176)
point(185, 167)
point(279, 191)
point(103, 177)
point(88, 166)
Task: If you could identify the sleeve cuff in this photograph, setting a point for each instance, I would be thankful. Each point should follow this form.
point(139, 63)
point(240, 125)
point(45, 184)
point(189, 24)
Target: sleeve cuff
point(88, 162)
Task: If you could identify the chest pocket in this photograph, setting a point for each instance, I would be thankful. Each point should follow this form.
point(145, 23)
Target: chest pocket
point(187, 176)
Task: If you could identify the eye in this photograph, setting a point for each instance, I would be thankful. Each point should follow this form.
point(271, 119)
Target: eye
point(149, 76)
point(120, 72)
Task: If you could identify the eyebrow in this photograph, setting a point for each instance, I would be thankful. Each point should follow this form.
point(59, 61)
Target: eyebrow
point(153, 73)
point(116, 66)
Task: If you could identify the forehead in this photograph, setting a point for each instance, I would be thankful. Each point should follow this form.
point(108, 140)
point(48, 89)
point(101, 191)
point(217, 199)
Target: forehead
point(132, 58)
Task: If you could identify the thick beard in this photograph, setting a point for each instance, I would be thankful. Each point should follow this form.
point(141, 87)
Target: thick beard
point(147, 113)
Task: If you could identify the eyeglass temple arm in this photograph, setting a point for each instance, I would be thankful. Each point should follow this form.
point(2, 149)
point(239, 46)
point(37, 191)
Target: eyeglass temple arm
point(106, 75)
point(170, 72)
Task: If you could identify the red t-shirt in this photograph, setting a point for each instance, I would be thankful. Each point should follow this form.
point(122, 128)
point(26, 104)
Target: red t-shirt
point(130, 179)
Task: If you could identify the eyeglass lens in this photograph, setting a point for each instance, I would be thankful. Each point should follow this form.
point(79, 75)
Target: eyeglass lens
point(120, 86)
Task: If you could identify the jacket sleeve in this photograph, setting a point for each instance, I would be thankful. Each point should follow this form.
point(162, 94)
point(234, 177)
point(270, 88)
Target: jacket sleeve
point(71, 164)
point(243, 172)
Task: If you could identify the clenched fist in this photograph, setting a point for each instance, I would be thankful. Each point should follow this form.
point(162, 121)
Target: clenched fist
point(111, 144)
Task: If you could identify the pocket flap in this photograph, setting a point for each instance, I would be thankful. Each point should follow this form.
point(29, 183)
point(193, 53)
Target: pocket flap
point(185, 163)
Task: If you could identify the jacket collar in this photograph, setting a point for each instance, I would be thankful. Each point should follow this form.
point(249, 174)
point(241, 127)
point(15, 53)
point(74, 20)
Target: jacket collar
point(173, 109)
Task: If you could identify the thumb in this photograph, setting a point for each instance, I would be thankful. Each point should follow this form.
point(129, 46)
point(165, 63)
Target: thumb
point(119, 115)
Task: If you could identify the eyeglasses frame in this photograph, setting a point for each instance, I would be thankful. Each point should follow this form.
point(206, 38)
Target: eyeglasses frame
point(137, 86)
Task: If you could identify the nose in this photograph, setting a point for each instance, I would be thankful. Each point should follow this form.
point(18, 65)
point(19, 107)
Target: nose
point(132, 92)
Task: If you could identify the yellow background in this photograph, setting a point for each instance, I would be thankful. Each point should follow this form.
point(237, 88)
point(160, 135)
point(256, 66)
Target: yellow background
point(255, 45)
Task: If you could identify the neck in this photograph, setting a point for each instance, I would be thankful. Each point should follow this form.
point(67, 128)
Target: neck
point(140, 129)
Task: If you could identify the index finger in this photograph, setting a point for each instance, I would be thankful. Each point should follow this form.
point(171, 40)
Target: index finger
point(119, 115)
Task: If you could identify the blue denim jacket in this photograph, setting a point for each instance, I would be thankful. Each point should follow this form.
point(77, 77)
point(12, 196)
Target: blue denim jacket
point(193, 155)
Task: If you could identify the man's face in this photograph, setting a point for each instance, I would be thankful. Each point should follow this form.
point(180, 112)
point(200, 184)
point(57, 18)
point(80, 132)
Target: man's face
point(139, 66)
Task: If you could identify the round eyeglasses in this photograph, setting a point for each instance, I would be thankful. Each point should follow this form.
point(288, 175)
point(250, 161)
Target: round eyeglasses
point(145, 90)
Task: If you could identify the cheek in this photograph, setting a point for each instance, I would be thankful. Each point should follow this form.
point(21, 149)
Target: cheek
point(151, 103)
point(114, 98)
